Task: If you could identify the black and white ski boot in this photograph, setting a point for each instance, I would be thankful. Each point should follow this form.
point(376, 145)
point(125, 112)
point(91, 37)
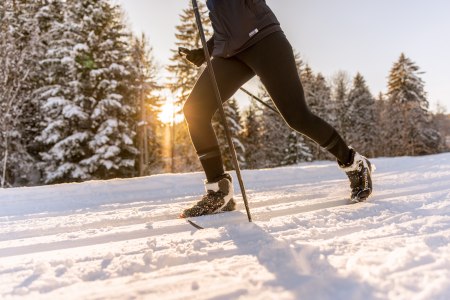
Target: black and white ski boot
point(218, 198)
point(359, 172)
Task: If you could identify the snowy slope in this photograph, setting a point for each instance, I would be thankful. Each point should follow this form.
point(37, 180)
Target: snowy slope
point(119, 239)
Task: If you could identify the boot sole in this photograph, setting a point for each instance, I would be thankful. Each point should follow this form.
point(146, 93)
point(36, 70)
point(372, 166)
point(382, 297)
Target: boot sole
point(362, 196)
point(231, 205)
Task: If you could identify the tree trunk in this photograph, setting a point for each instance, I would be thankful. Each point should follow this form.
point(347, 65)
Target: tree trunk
point(4, 162)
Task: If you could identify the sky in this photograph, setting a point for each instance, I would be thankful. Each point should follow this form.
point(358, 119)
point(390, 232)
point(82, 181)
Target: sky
point(346, 35)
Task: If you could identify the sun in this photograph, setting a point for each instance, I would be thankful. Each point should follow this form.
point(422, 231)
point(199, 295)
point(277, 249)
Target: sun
point(169, 111)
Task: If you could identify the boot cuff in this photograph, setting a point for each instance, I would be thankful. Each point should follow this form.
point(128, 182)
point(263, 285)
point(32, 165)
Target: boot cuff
point(214, 186)
point(355, 165)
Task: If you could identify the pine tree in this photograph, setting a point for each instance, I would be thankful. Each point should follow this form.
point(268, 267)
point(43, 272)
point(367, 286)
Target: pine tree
point(317, 93)
point(297, 150)
point(299, 62)
point(414, 131)
point(282, 145)
point(19, 47)
point(274, 135)
point(361, 115)
point(64, 141)
point(113, 114)
point(380, 107)
point(234, 124)
point(184, 77)
point(340, 89)
point(251, 137)
point(318, 97)
point(155, 162)
point(144, 83)
point(184, 73)
point(323, 106)
point(307, 77)
point(442, 120)
point(391, 127)
point(89, 111)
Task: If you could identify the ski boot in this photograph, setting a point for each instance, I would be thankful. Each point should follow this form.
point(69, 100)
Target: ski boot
point(218, 198)
point(359, 171)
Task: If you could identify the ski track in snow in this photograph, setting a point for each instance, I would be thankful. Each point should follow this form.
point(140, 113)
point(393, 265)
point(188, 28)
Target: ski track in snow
point(120, 239)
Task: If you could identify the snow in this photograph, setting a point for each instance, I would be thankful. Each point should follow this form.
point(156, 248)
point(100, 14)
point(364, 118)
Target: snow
point(56, 101)
point(67, 60)
point(120, 239)
point(71, 111)
point(81, 47)
point(52, 91)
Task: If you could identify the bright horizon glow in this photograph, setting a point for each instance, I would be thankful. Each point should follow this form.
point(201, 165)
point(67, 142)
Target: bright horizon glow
point(168, 109)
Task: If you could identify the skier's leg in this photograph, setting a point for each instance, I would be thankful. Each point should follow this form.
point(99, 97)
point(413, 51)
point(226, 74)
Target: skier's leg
point(273, 61)
point(201, 105)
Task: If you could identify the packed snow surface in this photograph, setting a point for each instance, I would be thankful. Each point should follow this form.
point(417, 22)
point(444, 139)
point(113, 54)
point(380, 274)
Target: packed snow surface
point(121, 239)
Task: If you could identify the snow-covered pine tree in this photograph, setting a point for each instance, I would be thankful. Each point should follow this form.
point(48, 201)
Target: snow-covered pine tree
point(251, 137)
point(391, 128)
point(104, 56)
point(31, 28)
point(89, 111)
point(299, 62)
point(184, 75)
point(48, 13)
point(414, 133)
point(340, 86)
point(19, 47)
point(144, 82)
point(308, 78)
point(274, 135)
point(282, 144)
point(324, 108)
point(380, 108)
point(155, 162)
point(297, 150)
point(65, 135)
point(318, 97)
point(442, 120)
point(361, 115)
point(234, 124)
point(308, 81)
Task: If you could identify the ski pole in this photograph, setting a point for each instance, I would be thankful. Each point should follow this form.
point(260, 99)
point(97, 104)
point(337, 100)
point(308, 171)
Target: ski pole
point(221, 110)
point(259, 100)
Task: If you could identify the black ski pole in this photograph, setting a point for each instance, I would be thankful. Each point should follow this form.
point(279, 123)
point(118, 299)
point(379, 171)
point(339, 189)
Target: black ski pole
point(259, 100)
point(221, 110)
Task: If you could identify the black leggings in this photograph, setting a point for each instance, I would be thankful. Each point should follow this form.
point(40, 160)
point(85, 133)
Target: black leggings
point(273, 61)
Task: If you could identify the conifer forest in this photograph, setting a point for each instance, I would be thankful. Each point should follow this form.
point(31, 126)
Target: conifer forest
point(80, 100)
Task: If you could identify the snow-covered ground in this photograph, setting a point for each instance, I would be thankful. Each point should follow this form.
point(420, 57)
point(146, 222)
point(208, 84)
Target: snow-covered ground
point(120, 239)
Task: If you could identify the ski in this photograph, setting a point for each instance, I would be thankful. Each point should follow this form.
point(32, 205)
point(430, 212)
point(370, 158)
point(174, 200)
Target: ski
point(195, 225)
point(217, 220)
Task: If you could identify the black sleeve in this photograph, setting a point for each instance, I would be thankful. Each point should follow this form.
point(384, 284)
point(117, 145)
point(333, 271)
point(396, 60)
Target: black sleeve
point(210, 44)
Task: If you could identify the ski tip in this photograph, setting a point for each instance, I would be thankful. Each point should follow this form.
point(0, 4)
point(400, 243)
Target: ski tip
point(195, 225)
point(181, 216)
